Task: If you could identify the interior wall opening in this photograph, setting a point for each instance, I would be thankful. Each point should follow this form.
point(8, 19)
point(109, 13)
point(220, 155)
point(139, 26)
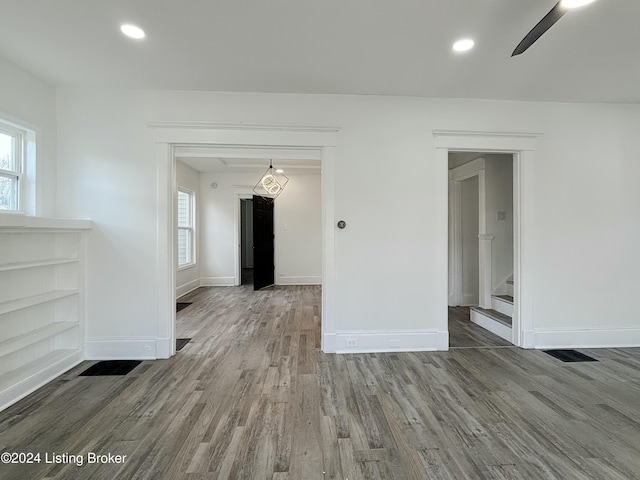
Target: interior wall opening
point(226, 225)
point(481, 249)
point(246, 241)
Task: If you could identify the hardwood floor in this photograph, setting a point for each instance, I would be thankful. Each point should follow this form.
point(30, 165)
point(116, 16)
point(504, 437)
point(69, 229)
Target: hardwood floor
point(465, 334)
point(251, 397)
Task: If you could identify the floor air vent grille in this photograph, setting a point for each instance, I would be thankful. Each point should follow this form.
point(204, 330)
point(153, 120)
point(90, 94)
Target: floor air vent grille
point(570, 356)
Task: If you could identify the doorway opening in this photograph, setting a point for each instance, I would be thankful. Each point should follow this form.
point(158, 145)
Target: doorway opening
point(481, 249)
point(246, 241)
point(522, 146)
point(263, 243)
point(237, 236)
point(312, 142)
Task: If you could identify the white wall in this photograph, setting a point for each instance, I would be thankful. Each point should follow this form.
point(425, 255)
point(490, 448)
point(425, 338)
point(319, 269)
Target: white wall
point(499, 197)
point(584, 193)
point(188, 278)
point(298, 231)
point(218, 234)
point(31, 103)
point(297, 228)
point(469, 220)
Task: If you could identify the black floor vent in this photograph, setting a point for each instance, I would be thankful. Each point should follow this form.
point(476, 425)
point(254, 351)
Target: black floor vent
point(111, 367)
point(570, 356)
point(181, 342)
point(182, 306)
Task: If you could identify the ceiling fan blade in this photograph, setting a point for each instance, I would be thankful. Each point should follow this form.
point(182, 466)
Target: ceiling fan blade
point(543, 25)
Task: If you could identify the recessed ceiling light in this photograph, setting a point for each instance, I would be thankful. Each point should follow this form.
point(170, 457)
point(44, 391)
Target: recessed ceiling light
point(463, 45)
point(132, 31)
point(279, 170)
point(575, 3)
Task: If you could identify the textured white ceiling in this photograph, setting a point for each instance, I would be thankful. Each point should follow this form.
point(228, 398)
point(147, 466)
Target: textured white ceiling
point(385, 47)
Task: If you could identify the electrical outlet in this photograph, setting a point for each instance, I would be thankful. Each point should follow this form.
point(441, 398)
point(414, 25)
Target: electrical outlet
point(351, 342)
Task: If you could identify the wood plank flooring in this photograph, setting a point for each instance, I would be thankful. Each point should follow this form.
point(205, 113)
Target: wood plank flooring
point(251, 397)
point(463, 333)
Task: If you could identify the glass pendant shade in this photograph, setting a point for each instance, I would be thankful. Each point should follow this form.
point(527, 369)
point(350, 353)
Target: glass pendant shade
point(271, 183)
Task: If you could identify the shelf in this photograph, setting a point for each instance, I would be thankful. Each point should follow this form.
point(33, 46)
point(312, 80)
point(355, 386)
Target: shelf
point(21, 341)
point(28, 222)
point(42, 263)
point(13, 377)
point(19, 304)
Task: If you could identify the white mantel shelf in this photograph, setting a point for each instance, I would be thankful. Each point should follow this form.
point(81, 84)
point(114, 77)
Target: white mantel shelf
point(17, 221)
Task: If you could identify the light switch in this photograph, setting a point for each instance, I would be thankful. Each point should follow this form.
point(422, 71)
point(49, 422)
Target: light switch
point(502, 216)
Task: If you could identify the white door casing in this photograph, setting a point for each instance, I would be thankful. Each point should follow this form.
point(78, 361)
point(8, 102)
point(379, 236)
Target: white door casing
point(522, 145)
point(168, 135)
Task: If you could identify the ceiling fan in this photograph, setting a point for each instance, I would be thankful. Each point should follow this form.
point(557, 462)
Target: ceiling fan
point(556, 13)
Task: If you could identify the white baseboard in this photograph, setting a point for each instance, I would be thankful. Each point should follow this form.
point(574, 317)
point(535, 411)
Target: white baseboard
point(163, 348)
point(587, 338)
point(29, 385)
point(123, 348)
point(469, 299)
point(286, 280)
point(329, 343)
point(187, 287)
point(217, 281)
point(528, 339)
point(367, 341)
point(492, 325)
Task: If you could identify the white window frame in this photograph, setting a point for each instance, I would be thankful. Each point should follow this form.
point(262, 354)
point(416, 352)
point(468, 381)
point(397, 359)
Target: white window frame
point(191, 229)
point(19, 154)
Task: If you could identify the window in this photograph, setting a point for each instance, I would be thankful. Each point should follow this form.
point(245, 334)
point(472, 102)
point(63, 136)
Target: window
point(186, 238)
point(11, 167)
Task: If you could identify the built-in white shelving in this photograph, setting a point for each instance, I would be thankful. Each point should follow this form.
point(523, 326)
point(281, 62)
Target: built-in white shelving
point(40, 263)
point(54, 361)
point(20, 303)
point(41, 301)
point(21, 341)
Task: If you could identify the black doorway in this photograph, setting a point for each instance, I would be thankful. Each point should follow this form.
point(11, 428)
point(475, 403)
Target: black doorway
point(246, 241)
point(263, 243)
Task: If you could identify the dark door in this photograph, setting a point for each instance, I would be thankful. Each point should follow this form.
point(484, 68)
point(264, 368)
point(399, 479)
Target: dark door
point(263, 259)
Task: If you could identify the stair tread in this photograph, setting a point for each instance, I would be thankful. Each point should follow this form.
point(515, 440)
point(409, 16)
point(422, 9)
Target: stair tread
point(497, 316)
point(505, 298)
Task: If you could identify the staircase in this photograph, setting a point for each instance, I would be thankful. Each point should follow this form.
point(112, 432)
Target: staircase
point(497, 319)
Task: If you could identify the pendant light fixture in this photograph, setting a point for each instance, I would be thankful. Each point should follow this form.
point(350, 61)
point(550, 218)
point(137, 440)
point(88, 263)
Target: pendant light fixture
point(271, 183)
